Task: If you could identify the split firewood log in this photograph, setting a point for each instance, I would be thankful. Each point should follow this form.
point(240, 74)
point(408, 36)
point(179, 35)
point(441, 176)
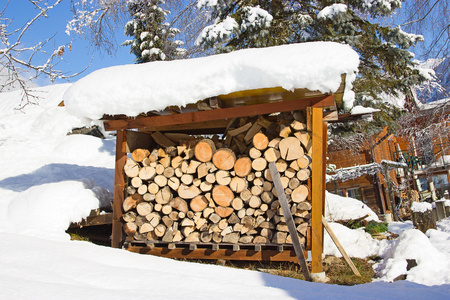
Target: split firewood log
point(139, 154)
point(129, 216)
point(259, 164)
point(176, 162)
point(144, 208)
point(173, 182)
point(254, 153)
point(222, 195)
point(204, 150)
point(260, 240)
point(153, 188)
point(272, 154)
point(224, 159)
point(164, 162)
point(238, 184)
point(285, 131)
point(297, 126)
point(187, 179)
point(148, 197)
point(290, 148)
point(199, 203)
point(260, 141)
point(130, 228)
point(136, 182)
point(160, 180)
point(204, 169)
point(256, 127)
point(153, 218)
point(164, 196)
point(239, 130)
point(130, 202)
point(188, 192)
point(205, 186)
point(131, 168)
point(223, 177)
point(304, 161)
point(243, 166)
point(147, 173)
point(223, 212)
point(303, 174)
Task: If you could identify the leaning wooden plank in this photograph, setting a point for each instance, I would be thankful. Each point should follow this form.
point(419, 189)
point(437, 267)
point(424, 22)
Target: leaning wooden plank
point(299, 251)
point(339, 246)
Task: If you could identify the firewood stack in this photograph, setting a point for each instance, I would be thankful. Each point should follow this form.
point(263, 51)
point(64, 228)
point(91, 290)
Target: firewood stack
point(220, 190)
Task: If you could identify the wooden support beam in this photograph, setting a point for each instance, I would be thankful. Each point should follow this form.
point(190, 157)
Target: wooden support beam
point(119, 189)
point(317, 190)
point(219, 114)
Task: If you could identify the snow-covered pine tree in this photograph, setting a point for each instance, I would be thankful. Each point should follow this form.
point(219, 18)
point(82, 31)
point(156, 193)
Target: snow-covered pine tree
point(386, 64)
point(153, 37)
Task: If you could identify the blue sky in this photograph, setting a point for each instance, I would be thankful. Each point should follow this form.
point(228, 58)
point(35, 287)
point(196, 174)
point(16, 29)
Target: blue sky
point(20, 11)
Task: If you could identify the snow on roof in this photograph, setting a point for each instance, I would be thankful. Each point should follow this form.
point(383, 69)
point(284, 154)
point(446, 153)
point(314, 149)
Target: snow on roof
point(138, 88)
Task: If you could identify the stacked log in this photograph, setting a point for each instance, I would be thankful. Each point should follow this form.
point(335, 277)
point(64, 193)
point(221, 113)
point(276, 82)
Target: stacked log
point(220, 190)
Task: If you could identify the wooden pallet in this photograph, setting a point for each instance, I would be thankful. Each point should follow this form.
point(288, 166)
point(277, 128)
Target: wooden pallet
point(213, 251)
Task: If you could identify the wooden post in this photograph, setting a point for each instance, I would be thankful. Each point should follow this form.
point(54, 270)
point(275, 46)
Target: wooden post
point(119, 189)
point(317, 190)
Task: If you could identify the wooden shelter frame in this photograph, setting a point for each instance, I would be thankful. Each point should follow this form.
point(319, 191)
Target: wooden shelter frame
point(202, 119)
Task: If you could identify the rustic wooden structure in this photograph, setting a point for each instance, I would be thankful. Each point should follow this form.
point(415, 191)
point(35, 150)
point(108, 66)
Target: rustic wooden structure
point(216, 116)
point(372, 189)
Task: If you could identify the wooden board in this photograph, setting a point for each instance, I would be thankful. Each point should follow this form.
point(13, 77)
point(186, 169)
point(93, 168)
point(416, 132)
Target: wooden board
point(249, 254)
point(219, 114)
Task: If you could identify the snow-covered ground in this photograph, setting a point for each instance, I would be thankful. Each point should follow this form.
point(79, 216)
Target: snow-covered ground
point(48, 179)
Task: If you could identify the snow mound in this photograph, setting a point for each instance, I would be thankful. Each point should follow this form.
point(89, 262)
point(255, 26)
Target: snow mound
point(421, 207)
point(413, 244)
point(133, 89)
point(357, 243)
point(345, 208)
point(47, 210)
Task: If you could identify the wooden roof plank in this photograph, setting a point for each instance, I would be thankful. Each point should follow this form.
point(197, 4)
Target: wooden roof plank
point(219, 114)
